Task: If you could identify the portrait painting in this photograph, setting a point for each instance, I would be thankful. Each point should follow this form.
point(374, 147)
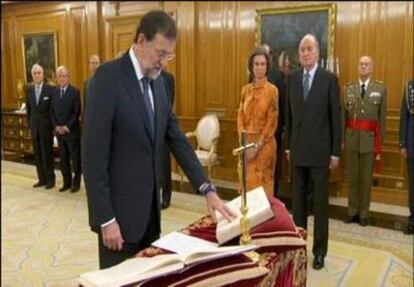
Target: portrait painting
point(283, 28)
point(40, 48)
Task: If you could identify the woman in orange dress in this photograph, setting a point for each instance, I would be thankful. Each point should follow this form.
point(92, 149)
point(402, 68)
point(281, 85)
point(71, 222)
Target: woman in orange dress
point(257, 115)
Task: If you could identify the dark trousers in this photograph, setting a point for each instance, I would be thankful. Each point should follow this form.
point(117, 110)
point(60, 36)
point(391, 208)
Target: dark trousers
point(69, 151)
point(278, 167)
point(317, 178)
point(410, 167)
point(108, 258)
point(166, 189)
point(43, 153)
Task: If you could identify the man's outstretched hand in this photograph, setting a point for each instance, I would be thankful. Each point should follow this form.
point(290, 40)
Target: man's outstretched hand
point(214, 202)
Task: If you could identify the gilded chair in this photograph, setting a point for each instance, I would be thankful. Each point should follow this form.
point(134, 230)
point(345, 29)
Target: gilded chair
point(206, 134)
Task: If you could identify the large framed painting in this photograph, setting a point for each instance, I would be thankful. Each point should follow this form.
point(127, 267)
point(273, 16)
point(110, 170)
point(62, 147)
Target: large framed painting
point(40, 48)
point(283, 28)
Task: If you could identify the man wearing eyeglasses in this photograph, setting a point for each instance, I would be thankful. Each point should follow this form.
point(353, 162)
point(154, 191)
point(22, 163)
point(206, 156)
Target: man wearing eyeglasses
point(128, 121)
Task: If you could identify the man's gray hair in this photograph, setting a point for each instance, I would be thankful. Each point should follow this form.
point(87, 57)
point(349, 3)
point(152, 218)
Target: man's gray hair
point(35, 66)
point(62, 68)
point(313, 37)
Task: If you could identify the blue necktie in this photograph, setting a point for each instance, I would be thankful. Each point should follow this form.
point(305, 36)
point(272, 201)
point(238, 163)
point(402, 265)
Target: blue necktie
point(306, 86)
point(147, 100)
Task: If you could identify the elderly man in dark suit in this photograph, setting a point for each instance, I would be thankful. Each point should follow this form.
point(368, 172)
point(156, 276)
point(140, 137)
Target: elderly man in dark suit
point(128, 122)
point(314, 140)
point(39, 97)
point(66, 108)
point(166, 187)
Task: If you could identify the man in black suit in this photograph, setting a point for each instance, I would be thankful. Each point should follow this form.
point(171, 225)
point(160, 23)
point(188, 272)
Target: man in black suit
point(314, 140)
point(94, 62)
point(66, 108)
point(38, 101)
point(166, 187)
point(276, 77)
point(129, 119)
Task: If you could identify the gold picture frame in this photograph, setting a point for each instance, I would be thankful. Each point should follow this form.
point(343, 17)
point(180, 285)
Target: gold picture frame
point(283, 28)
point(40, 48)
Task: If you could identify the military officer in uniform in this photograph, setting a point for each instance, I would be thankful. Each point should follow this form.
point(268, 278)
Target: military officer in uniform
point(407, 146)
point(364, 114)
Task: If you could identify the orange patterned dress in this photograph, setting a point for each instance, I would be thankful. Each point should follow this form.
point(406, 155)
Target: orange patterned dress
point(258, 114)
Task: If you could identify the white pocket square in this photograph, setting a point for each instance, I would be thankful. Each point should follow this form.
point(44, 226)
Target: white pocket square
point(46, 98)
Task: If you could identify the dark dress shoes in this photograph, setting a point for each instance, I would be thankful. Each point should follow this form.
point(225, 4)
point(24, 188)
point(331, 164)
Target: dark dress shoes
point(64, 188)
point(165, 205)
point(409, 230)
point(352, 219)
point(50, 185)
point(75, 189)
point(318, 262)
point(39, 184)
point(363, 221)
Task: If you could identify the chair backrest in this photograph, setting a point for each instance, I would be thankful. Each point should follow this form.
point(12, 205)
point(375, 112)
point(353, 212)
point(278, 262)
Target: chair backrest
point(208, 129)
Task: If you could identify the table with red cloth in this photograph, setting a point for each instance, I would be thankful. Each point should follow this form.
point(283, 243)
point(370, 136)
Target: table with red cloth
point(282, 250)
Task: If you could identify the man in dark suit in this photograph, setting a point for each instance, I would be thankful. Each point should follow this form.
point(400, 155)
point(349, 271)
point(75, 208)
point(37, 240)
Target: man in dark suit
point(128, 121)
point(66, 108)
point(166, 188)
point(407, 146)
point(94, 62)
point(313, 123)
point(276, 77)
point(38, 101)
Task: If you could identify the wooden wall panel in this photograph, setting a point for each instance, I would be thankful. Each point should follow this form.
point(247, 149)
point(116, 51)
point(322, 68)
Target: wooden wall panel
point(7, 71)
point(119, 34)
point(214, 41)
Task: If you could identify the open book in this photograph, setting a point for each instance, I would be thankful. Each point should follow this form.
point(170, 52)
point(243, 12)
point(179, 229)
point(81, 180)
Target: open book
point(180, 243)
point(141, 268)
point(259, 211)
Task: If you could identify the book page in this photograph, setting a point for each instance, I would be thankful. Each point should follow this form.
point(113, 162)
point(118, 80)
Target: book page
point(182, 243)
point(132, 270)
point(216, 253)
point(259, 211)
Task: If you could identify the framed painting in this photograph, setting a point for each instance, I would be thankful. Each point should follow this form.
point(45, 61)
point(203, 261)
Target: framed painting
point(40, 48)
point(283, 28)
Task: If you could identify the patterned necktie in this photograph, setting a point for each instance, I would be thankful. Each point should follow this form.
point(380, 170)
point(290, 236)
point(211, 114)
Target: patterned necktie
point(147, 100)
point(306, 86)
point(37, 93)
point(62, 91)
point(362, 91)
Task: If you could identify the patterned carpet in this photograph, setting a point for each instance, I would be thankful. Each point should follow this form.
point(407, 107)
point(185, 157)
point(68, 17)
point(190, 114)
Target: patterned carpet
point(46, 240)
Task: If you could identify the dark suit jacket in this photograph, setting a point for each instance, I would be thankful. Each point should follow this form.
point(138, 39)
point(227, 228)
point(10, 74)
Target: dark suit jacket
point(38, 116)
point(277, 78)
point(122, 164)
point(407, 122)
point(169, 85)
point(66, 111)
point(314, 126)
point(86, 86)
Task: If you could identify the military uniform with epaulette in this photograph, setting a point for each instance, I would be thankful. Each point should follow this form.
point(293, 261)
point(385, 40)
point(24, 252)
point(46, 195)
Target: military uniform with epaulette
point(407, 142)
point(364, 116)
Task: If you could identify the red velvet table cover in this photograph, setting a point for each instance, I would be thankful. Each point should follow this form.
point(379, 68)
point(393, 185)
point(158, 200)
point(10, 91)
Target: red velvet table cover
point(282, 249)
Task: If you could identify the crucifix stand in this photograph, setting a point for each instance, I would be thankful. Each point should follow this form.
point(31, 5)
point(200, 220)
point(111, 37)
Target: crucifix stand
point(244, 222)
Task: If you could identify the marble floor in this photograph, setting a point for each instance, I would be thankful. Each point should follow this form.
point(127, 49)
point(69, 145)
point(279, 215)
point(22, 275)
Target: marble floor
point(46, 240)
